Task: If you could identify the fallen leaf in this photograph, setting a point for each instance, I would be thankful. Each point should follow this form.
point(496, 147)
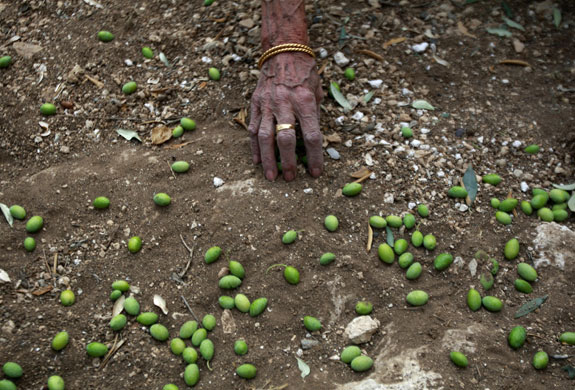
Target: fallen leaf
point(571, 202)
point(369, 237)
point(440, 61)
point(515, 62)
point(462, 29)
point(161, 303)
point(393, 41)
point(303, 367)
point(570, 371)
point(513, 24)
point(389, 237)
point(43, 290)
point(556, 17)
point(506, 8)
point(339, 97)
point(164, 59)
point(370, 54)
point(470, 184)
point(118, 306)
point(128, 134)
point(26, 50)
point(161, 134)
point(6, 211)
point(422, 105)
point(499, 31)
point(530, 306)
point(361, 173)
point(4, 276)
point(368, 96)
point(566, 187)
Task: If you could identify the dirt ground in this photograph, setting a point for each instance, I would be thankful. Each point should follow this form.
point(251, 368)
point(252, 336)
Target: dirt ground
point(486, 113)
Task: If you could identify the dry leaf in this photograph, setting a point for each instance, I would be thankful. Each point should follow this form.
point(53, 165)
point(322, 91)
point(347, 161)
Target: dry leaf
point(118, 306)
point(333, 138)
point(43, 290)
point(393, 41)
point(369, 237)
point(462, 29)
point(177, 146)
point(161, 134)
point(361, 173)
point(161, 303)
point(370, 54)
point(515, 62)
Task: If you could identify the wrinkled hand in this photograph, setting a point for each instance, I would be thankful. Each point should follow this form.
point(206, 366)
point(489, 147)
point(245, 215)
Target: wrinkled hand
point(288, 89)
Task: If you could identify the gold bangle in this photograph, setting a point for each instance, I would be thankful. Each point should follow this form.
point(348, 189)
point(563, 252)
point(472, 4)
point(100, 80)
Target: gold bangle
point(286, 47)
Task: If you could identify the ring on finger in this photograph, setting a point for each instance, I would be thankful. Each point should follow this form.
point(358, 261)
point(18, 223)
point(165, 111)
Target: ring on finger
point(284, 126)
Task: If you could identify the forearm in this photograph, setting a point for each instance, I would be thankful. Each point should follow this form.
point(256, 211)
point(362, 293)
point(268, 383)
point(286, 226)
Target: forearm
point(283, 21)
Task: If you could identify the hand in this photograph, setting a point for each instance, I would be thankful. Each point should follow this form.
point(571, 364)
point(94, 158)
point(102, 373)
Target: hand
point(288, 89)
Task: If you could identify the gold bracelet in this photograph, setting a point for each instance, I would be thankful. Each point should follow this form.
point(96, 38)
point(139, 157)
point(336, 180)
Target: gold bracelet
point(286, 47)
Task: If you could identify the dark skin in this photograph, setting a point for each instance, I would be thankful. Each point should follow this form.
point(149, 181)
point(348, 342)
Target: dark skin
point(288, 90)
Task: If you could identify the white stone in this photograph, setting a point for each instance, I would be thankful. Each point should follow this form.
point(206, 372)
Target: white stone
point(206, 60)
point(424, 130)
point(360, 329)
point(358, 116)
point(516, 144)
point(480, 139)
point(128, 62)
point(416, 143)
point(339, 120)
point(340, 59)
point(473, 267)
point(375, 83)
point(406, 92)
point(218, 182)
point(554, 246)
point(411, 205)
point(420, 48)
point(308, 190)
point(322, 52)
point(463, 207)
point(388, 198)
point(524, 186)
point(376, 101)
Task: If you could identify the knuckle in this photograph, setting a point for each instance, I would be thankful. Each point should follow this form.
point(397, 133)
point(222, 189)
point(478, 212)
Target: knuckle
point(265, 136)
point(306, 98)
point(286, 139)
point(313, 138)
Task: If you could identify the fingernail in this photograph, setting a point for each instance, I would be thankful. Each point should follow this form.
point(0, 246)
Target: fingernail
point(270, 175)
point(315, 172)
point(289, 176)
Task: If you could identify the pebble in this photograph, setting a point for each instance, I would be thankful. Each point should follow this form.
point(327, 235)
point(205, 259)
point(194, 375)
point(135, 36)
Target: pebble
point(416, 143)
point(411, 205)
point(308, 343)
point(340, 59)
point(218, 182)
point(360, 329)
point(322, 52)
point(128, 62)
point(206, 60)
point(348, 143)
point(462, 207)
point(375, 83)
point(425, 130)
point(473, 267)
point(358, 116)
point(516, 144)
point(524, 186)
point(339, 120)
point(334, 154)
point(308, 191)
point(420, 48)
point(388, 198)
point(517, 173)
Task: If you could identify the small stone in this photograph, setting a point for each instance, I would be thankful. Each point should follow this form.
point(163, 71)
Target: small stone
point(218, 182)
point(360, 329)
point(518, 45)
point(340, 59)
point(358, 115)
point(517, 172)
point(348, 143)
point(308, 343)
point(375, 83)
point(473, 267)
point(420, 48)
point(388, 198)
point(463, 207)
point(411, 205)
point(334, 154)
point(524, 187)
point(228, 322)
point(322, 52)
point(247, 23)
point(459, 132)
point(516, 144)
point(308, 191)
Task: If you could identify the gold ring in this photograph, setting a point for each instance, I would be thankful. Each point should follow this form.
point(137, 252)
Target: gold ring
point(283, 126)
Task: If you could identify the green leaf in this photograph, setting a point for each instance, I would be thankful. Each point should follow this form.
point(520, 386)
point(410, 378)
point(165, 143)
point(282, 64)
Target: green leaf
point(470, 183)
point(513, 24)
point(339, 97)
point(303, 367)
point(486, 281)
point(6, 211)
point(571, 202)
point(368, 96)
point(128, 134)
point(471, 1)
point(506, 8)
point(566, 187)
point(570, 371)
point(389, 237)
point(422, 105)
point(556, 17)
point(499, 31)
point(530, 306)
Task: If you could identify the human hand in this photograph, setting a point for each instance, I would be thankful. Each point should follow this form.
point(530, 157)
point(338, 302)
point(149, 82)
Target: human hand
point(288, 89)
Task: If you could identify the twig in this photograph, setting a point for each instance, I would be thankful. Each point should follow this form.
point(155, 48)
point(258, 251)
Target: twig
point(114, 349)
point(46, 262)
point(363, 178)
point(323, 66)
point(191, 251)
point(371, 54)
point(173, 174)
point(182, 144)
point(190, 309)
point(478, 373)
point(369, 237)
point(95, 81)
point(55, 262)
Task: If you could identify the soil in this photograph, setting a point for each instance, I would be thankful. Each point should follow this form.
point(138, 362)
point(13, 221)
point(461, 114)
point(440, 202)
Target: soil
point(57, 168)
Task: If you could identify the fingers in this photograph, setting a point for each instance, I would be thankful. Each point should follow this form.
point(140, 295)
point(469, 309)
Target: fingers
point(307, 114)
point(255, 120)
point(265, 138)
point(286, 140)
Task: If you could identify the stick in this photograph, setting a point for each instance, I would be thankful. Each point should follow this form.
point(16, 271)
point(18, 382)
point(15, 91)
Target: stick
point(173, 174)
point(55, 262)
point(371, 54)
point(95, 81)
point(363, 178)
point(191, 251)
point(46, 262)
point(114, 349)
point(190, 309)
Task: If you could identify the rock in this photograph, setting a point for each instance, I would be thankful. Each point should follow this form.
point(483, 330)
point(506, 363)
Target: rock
point(554, 245)
point(375, 83)
point(218, 182)
point(247, 23)
point(340, 59)
point(74, 74)
point(8, 328)
point(334, 154)
point(472, 267)
point(26, 50)
point(518, 45)
point(322, 52)
point(308, 343)
point(228, 323)
point(420, 48)
point(358, 116)
point(360, 329)
point(524, 186)
point(388, 198)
